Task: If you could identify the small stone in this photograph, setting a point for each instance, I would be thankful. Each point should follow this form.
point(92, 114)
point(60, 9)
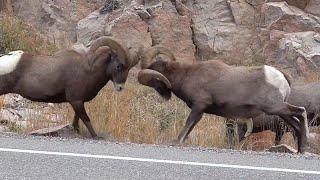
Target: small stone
point(144, 14)
point(314, 143)
point(317, 37)
point(79, 47)
point(301, 65)
point(65, 130)
point(288, 139)
point(3, 129)
point(283, 148)
point(141, 7)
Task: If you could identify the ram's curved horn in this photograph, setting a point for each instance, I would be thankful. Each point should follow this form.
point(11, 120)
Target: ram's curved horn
point(136, 56)
point(94, 60)
point(146, 75)
point(150, 53)
point(249, 124)
point(121, 51)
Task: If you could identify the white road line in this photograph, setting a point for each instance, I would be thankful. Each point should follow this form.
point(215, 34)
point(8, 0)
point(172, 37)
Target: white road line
point(158, 161)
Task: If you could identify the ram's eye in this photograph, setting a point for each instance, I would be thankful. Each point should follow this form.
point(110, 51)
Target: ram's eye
point(118, 67)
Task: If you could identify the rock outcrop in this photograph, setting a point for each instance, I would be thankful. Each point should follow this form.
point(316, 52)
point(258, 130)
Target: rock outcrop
point(299, 51)
point(237, 31)
point(283, 17)
point(313, 146)
point(57, 19)
point(258, 141)
point(313, 7)
point(288, 139)
point(19, 112)
point(136, 26)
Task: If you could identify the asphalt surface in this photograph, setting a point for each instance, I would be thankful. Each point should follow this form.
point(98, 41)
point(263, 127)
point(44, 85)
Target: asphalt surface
point(29, 157)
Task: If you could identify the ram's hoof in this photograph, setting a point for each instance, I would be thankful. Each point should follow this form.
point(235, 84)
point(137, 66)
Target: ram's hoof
point(98, 138)
point(75, 129)
point(173, 143)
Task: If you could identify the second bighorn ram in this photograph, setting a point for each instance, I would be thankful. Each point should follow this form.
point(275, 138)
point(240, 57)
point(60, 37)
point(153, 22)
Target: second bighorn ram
point(67, 76)
point(216, 88)
point(305, 95)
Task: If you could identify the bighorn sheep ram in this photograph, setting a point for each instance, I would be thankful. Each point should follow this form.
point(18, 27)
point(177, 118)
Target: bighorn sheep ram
point(233, 127)
point(305, 95)
point(216, 88)
point(261, 123)
point(247, 122)
point(67, 76)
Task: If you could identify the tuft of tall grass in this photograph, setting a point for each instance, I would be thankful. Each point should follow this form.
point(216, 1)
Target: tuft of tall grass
point(1, 101)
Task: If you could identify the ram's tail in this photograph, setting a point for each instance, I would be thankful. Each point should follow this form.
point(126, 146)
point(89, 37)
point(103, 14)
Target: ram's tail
point(288, 77)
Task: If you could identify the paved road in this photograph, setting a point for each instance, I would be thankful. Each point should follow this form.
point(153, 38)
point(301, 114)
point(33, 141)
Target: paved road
point(25, 157)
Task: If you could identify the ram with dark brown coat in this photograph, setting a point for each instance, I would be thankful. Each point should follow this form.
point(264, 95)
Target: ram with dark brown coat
point(214, 87)
point(67, 76)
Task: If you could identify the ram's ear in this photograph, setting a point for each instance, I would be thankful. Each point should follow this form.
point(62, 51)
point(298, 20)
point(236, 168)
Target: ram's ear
point(98, 58)
point(159, 65)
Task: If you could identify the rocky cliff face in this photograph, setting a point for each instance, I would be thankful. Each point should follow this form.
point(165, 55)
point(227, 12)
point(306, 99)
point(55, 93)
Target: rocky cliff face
point(249, 32)
point(57, 19)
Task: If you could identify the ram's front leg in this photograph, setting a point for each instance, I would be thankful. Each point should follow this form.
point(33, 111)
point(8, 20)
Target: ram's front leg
point(78, 107)
point(75, 123)
point(194, 117)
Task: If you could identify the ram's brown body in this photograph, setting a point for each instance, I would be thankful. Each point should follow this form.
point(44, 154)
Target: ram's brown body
point(216, 88)
point(69, 76)
point(196, 83)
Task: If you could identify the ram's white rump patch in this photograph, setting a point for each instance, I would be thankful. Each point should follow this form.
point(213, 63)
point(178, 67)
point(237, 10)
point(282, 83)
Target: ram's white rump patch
point(9, 62)
point(277, 79)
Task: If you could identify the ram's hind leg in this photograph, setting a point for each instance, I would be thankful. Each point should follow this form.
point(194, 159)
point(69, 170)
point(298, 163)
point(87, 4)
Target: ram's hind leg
point(4, 88)
point(300, 112)
point(289, 114)
point(296, 128)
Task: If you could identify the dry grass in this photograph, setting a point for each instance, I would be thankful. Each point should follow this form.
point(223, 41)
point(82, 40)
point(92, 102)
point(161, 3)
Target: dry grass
point(1, 101)
point(139, 115)
point(15, 34)
point(312, 76)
